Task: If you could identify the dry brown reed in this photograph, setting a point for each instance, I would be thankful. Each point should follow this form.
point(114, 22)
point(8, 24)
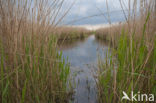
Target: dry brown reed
point(131, 66)
point(69, 32)
point(31, 69)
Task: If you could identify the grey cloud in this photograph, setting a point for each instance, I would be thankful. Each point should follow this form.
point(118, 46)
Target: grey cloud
point(87, 8)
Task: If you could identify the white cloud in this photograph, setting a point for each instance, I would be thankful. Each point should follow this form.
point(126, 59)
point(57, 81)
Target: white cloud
point(82, 10)
point(100, 1)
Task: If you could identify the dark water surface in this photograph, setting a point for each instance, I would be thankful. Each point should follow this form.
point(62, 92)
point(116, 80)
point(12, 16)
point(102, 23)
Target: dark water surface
point(83, 57)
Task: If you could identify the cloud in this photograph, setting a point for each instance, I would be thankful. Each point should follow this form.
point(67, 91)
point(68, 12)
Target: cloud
point(84, 8)
point(100, 1)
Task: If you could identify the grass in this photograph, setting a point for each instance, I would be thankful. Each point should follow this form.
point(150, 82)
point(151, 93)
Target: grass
point(36, 73)
point(131, 65)
point(71, 33)
point(31, 68)
point(33, 71)
point(110, 34)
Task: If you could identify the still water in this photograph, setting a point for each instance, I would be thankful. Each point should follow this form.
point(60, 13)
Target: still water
point(83, 57)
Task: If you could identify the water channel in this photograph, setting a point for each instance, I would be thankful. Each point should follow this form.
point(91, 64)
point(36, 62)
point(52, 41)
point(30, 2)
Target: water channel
point(83, 57)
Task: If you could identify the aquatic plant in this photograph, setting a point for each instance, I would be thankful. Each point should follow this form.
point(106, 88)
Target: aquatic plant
point(31, 69)
point(131, 67)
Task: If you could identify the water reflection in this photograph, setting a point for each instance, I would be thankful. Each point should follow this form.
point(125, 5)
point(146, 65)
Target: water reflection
point(82, 56)
point(69, 44)
point(103, 42)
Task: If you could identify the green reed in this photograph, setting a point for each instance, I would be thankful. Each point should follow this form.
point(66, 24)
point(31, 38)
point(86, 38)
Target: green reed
point(130, 67)
point(35, 73)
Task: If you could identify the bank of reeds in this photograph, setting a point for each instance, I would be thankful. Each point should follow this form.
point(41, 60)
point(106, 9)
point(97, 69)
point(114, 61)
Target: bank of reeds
point(131, 67)
point(31, 70)
point(71, 33)
point(109, 33)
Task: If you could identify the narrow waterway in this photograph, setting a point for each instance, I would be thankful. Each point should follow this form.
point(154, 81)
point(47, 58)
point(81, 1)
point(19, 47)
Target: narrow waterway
point(83, 57)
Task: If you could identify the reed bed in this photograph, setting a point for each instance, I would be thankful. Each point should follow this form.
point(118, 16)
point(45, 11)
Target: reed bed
point(107, 34)
point(133, 23)
point(131, 67)
point(71, 33)
point(31, 70)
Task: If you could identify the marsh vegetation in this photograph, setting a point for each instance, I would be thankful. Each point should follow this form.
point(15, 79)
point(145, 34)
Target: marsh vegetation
point(42, 61)
point(132, 64)
point(31, 69)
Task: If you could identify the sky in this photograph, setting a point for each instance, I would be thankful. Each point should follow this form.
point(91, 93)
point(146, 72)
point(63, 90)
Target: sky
point(91, 12)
